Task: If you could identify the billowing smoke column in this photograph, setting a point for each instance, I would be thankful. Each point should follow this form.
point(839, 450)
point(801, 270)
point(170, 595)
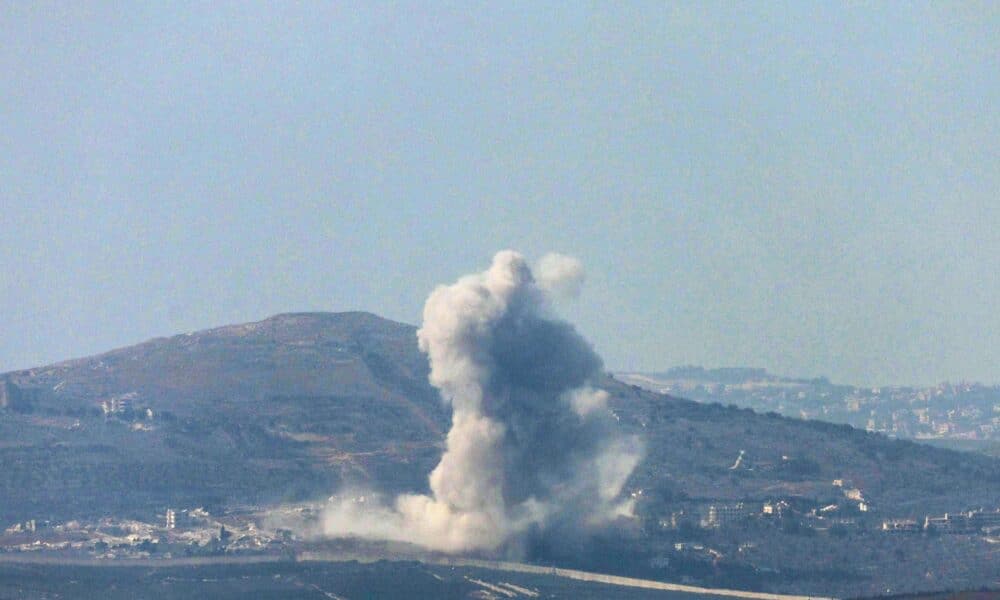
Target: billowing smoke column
point(532, 446)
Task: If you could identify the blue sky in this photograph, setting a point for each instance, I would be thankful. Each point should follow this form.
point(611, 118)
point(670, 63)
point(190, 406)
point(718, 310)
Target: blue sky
point(806, 187)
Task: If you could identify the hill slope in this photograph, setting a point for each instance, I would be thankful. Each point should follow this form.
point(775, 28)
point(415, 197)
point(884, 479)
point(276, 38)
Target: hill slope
point(289, 407)
point(293, 407)
point(282, 409)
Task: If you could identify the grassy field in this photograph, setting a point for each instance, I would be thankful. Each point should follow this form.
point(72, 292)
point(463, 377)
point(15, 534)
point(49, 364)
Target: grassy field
point(286, 580)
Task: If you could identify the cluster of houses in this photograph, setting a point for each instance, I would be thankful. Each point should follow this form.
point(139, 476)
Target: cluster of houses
point(29, 526)
point(718, 515)
point(844, 512)
point(182, 532)
point(973, 521)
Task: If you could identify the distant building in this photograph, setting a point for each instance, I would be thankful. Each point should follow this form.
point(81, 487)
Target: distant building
point(28, 526)
point(972, 521)
point(854, 494)
point(118, 404)
point(981, 520)
point(720, 515)
point(949, 523)
point(775, 509)
point(900, 525)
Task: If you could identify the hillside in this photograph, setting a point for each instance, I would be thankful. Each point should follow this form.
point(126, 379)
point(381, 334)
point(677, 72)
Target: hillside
point(291, 408)
point(282, 409)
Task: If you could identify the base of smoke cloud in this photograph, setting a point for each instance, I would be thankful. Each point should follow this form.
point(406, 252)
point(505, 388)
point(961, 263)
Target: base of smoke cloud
point(419, 521)
point(366, 516)
point(533, 449)
point(500, 529)
point(415, 519)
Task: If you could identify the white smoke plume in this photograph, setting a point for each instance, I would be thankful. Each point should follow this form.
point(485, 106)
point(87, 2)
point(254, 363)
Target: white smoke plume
point(560, 275)
point(532, 447)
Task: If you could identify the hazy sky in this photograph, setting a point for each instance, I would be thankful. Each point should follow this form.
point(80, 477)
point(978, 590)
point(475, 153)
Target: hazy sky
point(809, 187)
